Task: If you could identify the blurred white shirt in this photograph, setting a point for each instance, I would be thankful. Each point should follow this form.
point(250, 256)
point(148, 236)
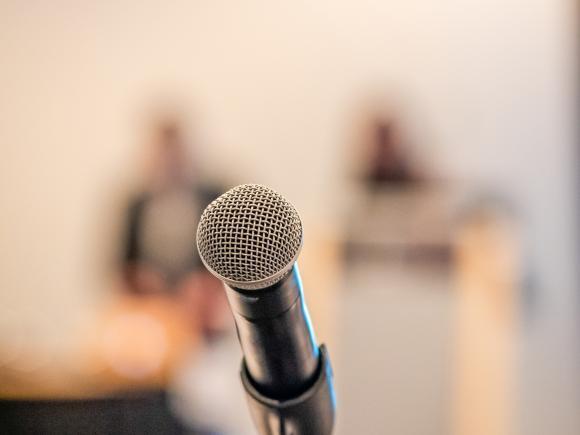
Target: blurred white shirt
point(207, 392)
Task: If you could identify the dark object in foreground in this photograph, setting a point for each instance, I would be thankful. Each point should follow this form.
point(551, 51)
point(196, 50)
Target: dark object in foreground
point(132, 413)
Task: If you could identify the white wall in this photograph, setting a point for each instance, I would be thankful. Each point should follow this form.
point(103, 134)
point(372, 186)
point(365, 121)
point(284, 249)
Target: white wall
point(275, 86)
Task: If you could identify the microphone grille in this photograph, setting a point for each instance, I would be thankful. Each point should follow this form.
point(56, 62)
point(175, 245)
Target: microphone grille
point(249, 237)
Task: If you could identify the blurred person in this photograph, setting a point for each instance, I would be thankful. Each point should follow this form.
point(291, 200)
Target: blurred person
point(399, 211)
point(397, 245)
point(159, 255)
point(158, 252)
point(388, 160)
point(159, 259)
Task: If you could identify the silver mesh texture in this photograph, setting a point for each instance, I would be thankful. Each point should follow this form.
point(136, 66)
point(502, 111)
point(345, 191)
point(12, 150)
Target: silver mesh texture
point(250, 236)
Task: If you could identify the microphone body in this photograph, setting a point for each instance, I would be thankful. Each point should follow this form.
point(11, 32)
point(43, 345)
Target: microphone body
point(250, 238)
point(287, 378)
point(276, 336)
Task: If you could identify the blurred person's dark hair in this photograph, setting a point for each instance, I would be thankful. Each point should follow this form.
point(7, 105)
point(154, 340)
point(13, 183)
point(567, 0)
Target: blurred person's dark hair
point(173, 163)
point(382, 145)
point(388, 163)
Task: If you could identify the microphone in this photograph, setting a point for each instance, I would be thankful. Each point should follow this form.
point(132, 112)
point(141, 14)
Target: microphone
point(250, 238)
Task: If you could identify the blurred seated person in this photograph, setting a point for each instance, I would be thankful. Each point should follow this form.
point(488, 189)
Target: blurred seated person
point(161, 268)
point(159, 253)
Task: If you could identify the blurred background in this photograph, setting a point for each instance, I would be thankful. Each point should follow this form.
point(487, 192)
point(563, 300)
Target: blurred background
point(430, 148)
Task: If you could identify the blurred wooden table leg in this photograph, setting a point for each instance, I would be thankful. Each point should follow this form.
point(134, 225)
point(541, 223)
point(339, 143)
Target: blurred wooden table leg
point(484, 372)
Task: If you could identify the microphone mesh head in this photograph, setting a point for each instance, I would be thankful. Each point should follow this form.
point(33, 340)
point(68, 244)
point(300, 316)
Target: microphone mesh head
point(249, 237)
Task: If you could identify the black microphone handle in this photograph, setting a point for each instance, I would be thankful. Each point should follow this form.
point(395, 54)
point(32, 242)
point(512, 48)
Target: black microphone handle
point(287, 378)
point(276, 336)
